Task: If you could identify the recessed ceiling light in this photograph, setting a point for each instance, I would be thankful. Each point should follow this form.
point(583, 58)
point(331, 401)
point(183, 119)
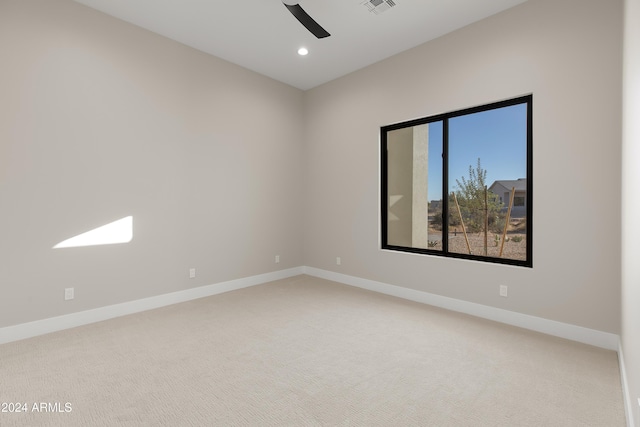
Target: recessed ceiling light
point(303, 51)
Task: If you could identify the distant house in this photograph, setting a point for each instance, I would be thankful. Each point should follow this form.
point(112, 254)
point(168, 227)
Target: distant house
point(503, 188)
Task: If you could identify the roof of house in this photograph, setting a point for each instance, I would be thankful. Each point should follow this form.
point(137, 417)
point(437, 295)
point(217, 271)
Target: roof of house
point(520, 184)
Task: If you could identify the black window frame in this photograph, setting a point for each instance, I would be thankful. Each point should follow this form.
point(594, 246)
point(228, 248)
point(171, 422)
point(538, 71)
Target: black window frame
point(446, 189)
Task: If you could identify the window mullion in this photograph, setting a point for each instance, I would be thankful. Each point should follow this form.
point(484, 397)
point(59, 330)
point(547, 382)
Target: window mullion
point(445, 186)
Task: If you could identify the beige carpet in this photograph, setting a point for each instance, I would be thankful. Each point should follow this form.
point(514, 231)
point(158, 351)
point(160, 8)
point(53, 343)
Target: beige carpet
point(308, 352)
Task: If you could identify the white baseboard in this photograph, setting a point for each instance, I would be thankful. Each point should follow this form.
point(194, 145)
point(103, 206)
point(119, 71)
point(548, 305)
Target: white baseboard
point(41, 327)
point(550, 327)
point(629, 404)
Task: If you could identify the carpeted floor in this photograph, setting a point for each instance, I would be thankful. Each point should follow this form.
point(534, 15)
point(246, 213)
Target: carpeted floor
point(306, 352)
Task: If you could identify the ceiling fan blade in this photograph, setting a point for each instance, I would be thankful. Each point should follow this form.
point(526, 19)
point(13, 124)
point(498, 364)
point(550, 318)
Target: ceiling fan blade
point(304, 18)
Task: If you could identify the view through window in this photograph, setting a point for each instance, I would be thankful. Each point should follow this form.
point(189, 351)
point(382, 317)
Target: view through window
point(459, 184)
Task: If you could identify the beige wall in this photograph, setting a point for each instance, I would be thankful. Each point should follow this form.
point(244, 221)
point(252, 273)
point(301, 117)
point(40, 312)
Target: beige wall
point(631, 204)
point(568, 54)
point(100, 120)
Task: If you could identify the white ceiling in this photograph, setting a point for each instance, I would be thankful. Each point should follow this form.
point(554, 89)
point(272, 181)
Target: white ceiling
point(263, 36)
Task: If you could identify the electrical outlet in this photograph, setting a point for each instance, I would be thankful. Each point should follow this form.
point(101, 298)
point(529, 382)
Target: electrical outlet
point(192, 273)
point(68, 294)
point(277, 259)
point(503, 290)
point(338, 261)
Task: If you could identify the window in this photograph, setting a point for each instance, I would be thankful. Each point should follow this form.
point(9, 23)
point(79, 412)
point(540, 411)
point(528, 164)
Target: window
point(459, 184)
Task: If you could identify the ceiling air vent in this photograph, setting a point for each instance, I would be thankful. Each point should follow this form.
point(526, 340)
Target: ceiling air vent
point(378, 6)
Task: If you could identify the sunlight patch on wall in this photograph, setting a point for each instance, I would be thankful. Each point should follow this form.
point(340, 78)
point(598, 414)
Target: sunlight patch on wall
point(120, 231)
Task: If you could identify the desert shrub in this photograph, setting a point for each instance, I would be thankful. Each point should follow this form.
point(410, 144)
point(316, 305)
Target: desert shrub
point(471, 193)
point(496, 222)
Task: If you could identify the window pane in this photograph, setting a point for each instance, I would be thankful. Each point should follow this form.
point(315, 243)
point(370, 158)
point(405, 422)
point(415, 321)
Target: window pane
point(487, 181)
point(414, 186)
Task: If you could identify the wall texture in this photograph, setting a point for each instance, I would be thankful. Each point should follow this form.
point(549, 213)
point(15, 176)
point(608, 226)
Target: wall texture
point(568, 54)
point(100, 120)
point(631, 204)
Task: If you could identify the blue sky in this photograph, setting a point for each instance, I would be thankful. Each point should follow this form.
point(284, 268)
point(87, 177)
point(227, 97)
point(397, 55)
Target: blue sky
point(498, 137)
